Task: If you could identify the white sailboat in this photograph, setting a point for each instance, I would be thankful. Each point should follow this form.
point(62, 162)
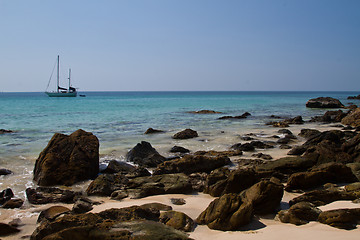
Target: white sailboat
point(60, 91)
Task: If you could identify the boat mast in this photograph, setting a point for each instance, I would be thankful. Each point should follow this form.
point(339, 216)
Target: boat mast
point(69, 78)
point(58, 60)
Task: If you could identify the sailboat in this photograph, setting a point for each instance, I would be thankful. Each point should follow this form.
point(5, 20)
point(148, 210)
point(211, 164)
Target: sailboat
point(60, 91)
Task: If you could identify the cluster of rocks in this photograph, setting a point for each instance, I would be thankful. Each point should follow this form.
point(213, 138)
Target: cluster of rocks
point(2, 131)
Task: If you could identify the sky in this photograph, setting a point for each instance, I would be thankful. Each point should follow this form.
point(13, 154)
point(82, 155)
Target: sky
point(181, 45)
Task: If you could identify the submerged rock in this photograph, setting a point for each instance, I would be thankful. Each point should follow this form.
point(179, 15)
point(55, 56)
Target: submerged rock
point(205, 112)
point(186, 134)
point(68, 159)
point(152, 131)
point(4, 171)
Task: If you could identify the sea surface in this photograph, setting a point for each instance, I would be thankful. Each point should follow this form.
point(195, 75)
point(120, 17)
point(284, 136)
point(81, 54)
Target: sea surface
point(119, 120)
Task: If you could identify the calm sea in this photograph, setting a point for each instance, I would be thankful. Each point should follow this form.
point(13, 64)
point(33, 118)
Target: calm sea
point(119, 120)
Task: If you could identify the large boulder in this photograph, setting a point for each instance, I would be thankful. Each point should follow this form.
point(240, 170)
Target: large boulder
point(228, 213)
point(186, 134)
point(299, 213)
point(341, 218)
point(191, 164)
point(352, 119)
point(144, 155)
point(68, 159)
point(324, 102)
point(265, 196)
point(319, 175)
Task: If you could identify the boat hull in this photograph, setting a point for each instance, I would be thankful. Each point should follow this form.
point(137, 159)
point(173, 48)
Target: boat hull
point(61, 94)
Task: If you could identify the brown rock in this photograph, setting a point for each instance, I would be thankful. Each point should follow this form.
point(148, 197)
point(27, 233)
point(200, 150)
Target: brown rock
point(52, 212)
point(6, 230)
point(341, 218)
point(152, 131)
point(144, 155)
point(13, 203)
point(299, 213)
point(157, 206)
point(186, 134)
point(177, 220)
point(352, 119)
point(68, 159)
point(324, 102)
point(323, 197)
point(44, 195)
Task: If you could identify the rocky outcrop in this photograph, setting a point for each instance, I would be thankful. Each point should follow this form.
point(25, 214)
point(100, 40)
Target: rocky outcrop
point(186, 134)
point(299, 213)
point(191, 164)
point(152, 131)
point(324, 102)
point(44, 195)
point(319, 175)
point(352, 119)
point(177, 220)
point(228, 213)
point(341, 218)
point(144, 155)
point(68, 159)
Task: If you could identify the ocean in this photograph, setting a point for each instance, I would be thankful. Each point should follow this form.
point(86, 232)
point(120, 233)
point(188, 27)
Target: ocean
point(119, 120)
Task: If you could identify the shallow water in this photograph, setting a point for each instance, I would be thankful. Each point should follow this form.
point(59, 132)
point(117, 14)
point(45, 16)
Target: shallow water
point(119, 120)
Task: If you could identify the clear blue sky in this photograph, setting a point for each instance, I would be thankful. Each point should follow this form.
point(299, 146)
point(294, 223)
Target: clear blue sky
point(176, 45)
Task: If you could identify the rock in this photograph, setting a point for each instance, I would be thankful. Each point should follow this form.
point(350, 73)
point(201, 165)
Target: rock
point(106, 184)
point(68, 159)
point(295, 120)
point(191, 164)
point(262, 145)
point(262, 156)
point(341, 218)
point(353, 187)
point(4, 171)
point(6, 230)
point(286, 165)
point(177, 220)
point(152, 131)
point(197, 181)
point(115, 166)
point(330, 117)
point(157, 206)
point(13, 203)
point(6, 195)
point(2, 131)
point(352, 119)
point(309, 133)
point(354, 97)
point(324, 102)
point(228, 213)
point(44, 195)
point(244, 115)
point(319, 175)
point(352, 147)
point(285, 131)
point(323, 197)
point(265, 196)
point(177, 201)
point(246, 147)
point(297, 150)
point(222, 182)
point(144, 155)
point(177, 149)
point(299, 213)
point(186, 134)
point(82, 206)
point(158, 184)
point(52, 213)
point(355, 168)
point(284, 140)
point(118, 195)
point(16, 223)
point(205, 112)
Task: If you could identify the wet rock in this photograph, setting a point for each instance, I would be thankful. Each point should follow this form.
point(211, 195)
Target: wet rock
point(177, 220)
point(82, 206)
point(144, 155)
point(186, 134)
point(13, 203)
point(68, 159)
point(341, 218)
point(152, 131)
point(323, 197)
point(262, 156)
point(178, 149)
point(324, 102)
point(157, 206)
point(6, 195)
point(105, 184)
point(265, 196)
point(2, 131)
point(285, 131)
point(299, 213)
point(52, 213)
point(205, 112)
point(244, 115)
point(6, 230)
point(44, 195)
point(330, 117)
point(191, 164)
point(295, 120)
point(246, 147)
point(309, 133)
point(228, 213)
point(4, 171)
point(352, 119)
point(115, 166)
point(177, 201)
point(286, 165)
point(319, 175)
point(297, 150)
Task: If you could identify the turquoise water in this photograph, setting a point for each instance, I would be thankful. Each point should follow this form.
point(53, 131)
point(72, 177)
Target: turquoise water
point(119, 120)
